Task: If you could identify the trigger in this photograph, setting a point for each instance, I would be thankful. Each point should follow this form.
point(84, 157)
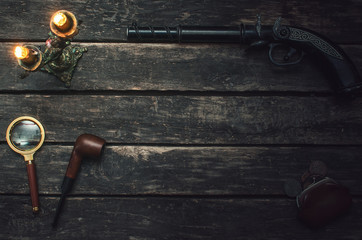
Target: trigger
point(292, 51)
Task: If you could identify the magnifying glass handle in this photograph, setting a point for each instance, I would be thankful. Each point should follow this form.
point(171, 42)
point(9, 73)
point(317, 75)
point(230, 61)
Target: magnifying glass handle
point(33, 186)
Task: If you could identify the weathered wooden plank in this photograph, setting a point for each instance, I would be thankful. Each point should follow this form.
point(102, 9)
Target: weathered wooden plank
point(107, 19)
point(168, 218)
point(133, 170)
point(176, 68)
point(190, 119)
point(202, 137)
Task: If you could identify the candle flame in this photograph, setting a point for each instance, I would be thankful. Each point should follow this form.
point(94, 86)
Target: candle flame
point(59, 19)
point(21, 52)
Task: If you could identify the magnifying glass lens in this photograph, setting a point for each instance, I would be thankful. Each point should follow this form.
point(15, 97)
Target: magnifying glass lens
point(25, 135)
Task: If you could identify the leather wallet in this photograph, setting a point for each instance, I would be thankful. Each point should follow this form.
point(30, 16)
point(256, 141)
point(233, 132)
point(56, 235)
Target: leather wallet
point(323, 201)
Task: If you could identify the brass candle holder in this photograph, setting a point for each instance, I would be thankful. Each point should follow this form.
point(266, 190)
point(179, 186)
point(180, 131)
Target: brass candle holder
point(59, 58)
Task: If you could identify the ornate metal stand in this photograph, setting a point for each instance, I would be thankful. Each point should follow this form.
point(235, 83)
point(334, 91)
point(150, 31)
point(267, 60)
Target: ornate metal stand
point(60, 58)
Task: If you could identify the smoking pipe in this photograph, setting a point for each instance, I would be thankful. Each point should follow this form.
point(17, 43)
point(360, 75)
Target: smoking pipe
point(86, 146)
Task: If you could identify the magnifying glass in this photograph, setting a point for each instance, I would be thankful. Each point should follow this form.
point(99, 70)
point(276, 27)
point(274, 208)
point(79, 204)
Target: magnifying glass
point(25, 135)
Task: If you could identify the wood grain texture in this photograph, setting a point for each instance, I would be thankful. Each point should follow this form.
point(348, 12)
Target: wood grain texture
point(200, 137)
point(142, 170)
point(107, 20)
point(173, 67)
point(168, 218)
point(190, 119)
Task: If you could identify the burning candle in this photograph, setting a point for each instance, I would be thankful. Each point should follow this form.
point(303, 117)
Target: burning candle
point(21, 52)
point(25, 54)
point(61, 21)
point(64, 24)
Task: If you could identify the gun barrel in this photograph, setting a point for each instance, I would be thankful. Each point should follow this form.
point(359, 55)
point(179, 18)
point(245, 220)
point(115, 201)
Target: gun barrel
point(185, 34)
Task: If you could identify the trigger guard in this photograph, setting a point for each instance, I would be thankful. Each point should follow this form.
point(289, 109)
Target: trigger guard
point(272, 60)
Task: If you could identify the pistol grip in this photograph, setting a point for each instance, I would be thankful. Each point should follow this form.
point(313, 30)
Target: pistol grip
point(341, 71)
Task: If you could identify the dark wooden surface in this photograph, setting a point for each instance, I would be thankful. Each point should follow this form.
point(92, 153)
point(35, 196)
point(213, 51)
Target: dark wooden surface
point(200, 137)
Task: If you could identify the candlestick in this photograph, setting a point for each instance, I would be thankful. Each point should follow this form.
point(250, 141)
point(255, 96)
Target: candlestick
point(29, 57)
point(59, 57)
point(61, 21)
point(64, 24)
point(21, 52)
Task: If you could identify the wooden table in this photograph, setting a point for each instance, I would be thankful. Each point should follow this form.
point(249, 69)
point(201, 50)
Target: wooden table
point(200, 137)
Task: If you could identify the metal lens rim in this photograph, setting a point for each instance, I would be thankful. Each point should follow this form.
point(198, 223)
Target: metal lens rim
point(10, 128)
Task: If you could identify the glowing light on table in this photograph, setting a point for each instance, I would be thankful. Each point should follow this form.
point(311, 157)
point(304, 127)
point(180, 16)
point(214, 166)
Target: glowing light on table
point(60, 19)
point(21, 52)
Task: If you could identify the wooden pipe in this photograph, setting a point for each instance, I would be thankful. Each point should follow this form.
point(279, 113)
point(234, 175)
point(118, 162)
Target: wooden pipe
point(86, 146)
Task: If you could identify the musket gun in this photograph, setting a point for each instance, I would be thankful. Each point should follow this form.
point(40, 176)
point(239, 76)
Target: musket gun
point(341, 71)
